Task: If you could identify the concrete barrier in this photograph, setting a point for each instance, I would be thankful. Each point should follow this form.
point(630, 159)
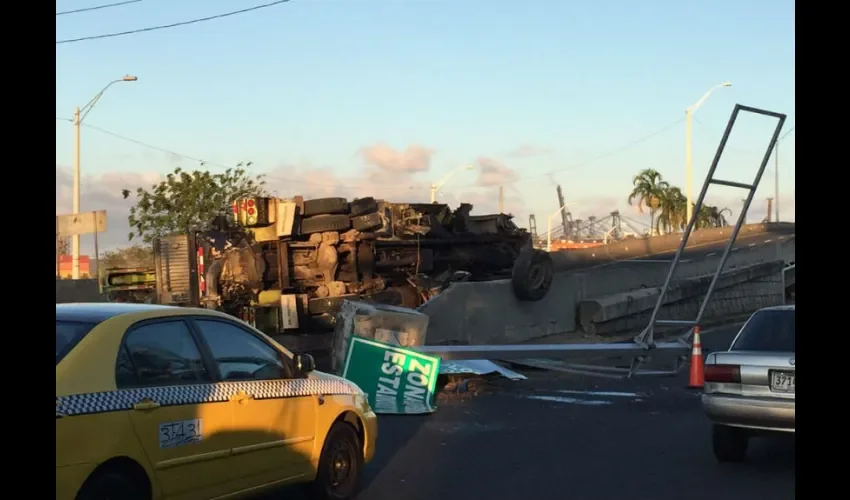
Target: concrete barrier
point(77, 291)
point(739, 291)
point(631, 275)
point(489, 313)
point(638, 247)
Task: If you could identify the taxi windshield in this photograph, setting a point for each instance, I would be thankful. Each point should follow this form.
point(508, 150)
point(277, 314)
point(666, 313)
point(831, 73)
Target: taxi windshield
point(68, 333)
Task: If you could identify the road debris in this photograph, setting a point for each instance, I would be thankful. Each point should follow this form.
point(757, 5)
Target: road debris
point(478, 367)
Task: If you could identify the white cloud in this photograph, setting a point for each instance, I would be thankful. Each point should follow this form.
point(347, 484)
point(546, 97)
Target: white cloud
point(414, 158)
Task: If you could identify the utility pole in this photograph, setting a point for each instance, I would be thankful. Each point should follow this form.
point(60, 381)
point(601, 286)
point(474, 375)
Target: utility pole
point(776, 170)
point(689, 167)
point(776, 177)
point(501, 200)
point(769, 208)
point(79, 115)
point(75, 240)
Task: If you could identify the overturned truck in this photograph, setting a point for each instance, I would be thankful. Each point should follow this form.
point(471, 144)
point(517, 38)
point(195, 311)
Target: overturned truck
point(286, 265)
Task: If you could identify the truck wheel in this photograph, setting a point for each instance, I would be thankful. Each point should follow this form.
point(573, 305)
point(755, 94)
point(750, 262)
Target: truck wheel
point(323, 206)
point(532, 274)
point(363, 206)
point(729, 443)
point(340, 465)
point(368, 222)
point(324, 223)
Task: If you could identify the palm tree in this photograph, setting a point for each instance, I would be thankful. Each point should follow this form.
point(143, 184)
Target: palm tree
point(647, 191)
point(673, 216)
point(716, 216)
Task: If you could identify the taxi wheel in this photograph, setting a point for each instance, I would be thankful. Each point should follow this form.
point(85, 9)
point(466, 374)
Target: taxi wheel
point(110, 486)
point(340, 465)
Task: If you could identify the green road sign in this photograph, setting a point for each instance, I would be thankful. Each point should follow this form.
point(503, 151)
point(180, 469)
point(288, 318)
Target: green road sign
point(397, 380)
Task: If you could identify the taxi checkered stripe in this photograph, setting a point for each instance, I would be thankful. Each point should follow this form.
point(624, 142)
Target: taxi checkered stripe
point(124, 399)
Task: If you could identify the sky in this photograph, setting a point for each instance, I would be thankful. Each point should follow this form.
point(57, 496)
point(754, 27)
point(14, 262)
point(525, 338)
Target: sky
point(384, 97)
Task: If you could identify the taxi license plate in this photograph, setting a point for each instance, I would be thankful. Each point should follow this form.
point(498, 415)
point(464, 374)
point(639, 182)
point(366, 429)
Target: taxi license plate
point(782, 381)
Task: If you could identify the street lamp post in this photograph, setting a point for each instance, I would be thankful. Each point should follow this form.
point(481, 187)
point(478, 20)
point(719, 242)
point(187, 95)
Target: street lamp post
point(776, 172)
point(689, 168)
point(79, 115)
point(438, 185)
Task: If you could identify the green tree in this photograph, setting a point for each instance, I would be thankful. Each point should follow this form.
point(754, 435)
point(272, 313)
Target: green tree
point(648, 189)
point(187, 200)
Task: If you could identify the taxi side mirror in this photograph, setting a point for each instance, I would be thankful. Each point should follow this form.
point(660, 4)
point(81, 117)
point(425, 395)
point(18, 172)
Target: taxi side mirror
point(304, 363)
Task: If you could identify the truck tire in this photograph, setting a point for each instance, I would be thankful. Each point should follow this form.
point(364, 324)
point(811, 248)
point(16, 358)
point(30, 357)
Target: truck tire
point(532, 274)
point(363, 206)
point(325, 223)
point(364, 223)
point(325, 206)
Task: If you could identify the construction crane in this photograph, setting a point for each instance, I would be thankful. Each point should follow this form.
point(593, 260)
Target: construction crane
point(532, 227)
point(566, 216)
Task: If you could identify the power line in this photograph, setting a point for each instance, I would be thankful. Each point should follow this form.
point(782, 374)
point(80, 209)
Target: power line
point(173, 25)
point(707, 130)
point(98, 7)
point(614, 151)
point(205, 163)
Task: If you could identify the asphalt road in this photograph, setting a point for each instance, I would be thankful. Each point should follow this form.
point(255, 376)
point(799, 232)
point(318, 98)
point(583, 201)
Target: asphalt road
point(557, 436)
point(566, 261)
point(742, 243)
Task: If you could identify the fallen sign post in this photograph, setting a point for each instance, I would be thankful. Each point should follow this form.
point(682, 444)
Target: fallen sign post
point(395, 379)
point(635, 354)
point(555, 351)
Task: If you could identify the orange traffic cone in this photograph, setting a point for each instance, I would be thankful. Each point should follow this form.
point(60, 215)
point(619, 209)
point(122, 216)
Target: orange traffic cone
point(697, 378)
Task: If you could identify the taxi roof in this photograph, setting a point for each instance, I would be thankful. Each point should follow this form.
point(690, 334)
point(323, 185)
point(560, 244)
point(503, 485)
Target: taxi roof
point(98, 312)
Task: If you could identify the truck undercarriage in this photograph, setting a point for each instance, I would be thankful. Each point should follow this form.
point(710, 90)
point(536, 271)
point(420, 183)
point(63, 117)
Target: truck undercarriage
point(287, 265)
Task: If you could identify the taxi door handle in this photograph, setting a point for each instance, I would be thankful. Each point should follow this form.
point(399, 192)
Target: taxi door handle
point(146, 404)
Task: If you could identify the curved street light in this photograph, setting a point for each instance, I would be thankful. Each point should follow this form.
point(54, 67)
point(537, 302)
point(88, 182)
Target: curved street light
point(79, 115)
point(435, 187)
point(689, 167)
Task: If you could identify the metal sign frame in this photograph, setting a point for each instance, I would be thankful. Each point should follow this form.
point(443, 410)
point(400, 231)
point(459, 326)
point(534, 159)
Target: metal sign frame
point(647, 337)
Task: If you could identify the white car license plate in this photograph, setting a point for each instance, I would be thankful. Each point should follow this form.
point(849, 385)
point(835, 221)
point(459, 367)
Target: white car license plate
point(782, 381)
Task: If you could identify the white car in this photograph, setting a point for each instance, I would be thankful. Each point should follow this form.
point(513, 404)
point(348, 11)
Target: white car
point(749, 389)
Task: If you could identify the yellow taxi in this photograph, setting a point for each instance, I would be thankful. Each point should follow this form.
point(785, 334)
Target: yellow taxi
point(158, 402)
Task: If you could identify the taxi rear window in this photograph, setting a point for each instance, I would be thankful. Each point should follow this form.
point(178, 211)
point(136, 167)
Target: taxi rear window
point(68, 334)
